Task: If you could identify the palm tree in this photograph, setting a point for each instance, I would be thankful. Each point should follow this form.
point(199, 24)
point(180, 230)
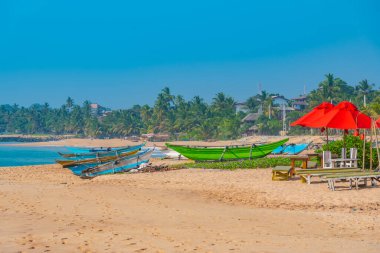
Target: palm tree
point(223, 105)
point(364, 89)
point(69, 103)
point(266, 102)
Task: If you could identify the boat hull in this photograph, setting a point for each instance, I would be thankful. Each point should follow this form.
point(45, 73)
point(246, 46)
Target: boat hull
point(226, 153)
point(295, 149)
point(102, 154)
point(98, 160)
point(119, 165)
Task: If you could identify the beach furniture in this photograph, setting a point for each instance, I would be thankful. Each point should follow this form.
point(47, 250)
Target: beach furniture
point(293, 158)
point(316, 155)
point(326, 160)
point(119, 165)
point(234, 152)
point(306, 175)
point(353, 178)
point(312, 165)
point(281, 173)
point(353, 161)
point(347, 162)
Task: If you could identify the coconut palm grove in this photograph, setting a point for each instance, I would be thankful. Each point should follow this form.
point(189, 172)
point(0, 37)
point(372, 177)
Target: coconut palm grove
point(223, 118)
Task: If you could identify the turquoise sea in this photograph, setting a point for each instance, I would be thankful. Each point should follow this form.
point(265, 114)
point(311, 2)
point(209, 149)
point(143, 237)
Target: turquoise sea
point(21, 155)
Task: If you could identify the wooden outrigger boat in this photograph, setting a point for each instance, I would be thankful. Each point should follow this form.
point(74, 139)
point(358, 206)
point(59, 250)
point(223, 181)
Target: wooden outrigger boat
point(115, 152)
point(119, 165)
point(234, 152)
point(90, 149)
point(97, 160)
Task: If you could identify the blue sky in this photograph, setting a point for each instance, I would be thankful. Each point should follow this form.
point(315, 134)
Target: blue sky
point(120, 53)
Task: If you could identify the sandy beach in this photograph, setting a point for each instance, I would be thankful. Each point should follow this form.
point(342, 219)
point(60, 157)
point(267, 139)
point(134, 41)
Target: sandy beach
point(48, 209)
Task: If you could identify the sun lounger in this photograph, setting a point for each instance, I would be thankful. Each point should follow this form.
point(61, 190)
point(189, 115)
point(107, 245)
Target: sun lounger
point(355, 178)
point(281, 173)
point(307, 174)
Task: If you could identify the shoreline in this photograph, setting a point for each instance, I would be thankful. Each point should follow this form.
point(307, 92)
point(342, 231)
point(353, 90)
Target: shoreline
point(85, 142)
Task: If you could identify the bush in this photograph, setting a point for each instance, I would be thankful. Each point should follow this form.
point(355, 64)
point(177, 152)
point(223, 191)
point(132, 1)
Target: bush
point(353, 142)
point(244, 164)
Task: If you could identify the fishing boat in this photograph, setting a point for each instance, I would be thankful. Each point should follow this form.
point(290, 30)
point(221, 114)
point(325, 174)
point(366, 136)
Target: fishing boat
point(115, 152)
point(234, 152)
point(90, 149)
point(119, 165)
point(279, 149)
point(72, 163)
point(294, 149)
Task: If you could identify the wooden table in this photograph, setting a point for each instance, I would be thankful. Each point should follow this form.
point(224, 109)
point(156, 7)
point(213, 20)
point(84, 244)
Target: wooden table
point(319, 156)
point(294, 158)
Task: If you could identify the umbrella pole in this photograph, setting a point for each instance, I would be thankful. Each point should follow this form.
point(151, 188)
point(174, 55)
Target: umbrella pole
point(363, 165)
point(327, 138)
point(370, 149)
point(344, 138)
point(377, 146)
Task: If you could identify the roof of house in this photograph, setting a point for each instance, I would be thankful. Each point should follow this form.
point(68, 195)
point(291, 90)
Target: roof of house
point(280, 97)
point(251, 117)
point(300, 103)
point(300, 98)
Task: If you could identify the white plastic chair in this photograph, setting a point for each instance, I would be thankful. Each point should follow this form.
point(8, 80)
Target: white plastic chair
point(354, 156)
point(343, 156)
point(326, 160)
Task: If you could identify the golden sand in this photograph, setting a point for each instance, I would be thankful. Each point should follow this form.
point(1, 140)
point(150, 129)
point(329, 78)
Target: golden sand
point(47, 209)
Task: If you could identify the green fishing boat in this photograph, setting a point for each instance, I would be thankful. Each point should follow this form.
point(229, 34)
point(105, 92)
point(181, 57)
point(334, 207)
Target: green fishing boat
point(226, 153)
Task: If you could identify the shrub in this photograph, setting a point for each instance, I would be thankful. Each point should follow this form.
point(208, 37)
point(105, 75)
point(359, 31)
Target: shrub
point(244, 164)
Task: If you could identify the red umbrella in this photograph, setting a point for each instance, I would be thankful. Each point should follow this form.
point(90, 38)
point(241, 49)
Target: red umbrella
point(315, 114)
point(378, 123)
point(343, 116)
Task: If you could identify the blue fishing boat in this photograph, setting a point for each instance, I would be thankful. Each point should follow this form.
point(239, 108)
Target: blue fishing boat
point(115, 152)
point(119, 165)
point(294, 149)
point(279, 149)
point(90, 149)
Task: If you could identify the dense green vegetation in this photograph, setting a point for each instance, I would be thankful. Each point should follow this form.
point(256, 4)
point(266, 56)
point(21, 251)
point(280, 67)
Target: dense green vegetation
point(331, 89)
point(182, 119)
point(244, 164)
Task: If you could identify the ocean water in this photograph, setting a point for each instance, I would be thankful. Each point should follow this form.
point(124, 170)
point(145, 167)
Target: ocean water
point(21, 155)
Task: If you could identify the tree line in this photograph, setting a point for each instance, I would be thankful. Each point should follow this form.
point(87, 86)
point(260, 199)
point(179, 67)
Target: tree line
point(182, 119)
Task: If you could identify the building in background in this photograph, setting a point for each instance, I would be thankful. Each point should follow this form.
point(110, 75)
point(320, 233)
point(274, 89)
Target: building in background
point(241, 107)
point(300, 103)
point(99, 111)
